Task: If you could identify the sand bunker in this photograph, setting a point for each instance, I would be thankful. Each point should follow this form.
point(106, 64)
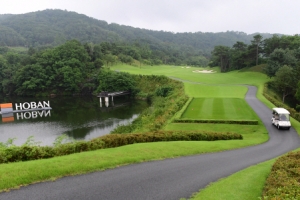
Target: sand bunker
point(204, 71)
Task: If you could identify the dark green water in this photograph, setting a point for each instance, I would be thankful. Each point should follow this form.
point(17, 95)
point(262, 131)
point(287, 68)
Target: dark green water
point(81, 118)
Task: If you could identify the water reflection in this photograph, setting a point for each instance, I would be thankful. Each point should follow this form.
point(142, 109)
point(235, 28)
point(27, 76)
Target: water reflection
point(81, 118)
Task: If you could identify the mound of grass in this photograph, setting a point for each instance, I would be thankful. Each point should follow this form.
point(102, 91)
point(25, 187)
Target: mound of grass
point(219, 108)
point(258, 68)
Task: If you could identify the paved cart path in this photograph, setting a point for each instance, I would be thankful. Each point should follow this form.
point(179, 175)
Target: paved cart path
point(165, 179)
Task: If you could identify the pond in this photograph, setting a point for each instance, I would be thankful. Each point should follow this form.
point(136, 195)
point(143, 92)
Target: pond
point(80, 118)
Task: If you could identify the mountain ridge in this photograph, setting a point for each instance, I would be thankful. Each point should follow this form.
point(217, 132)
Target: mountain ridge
point(54, 27)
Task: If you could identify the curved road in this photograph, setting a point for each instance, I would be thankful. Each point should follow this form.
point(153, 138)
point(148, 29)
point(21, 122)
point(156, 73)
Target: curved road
point(167, 179)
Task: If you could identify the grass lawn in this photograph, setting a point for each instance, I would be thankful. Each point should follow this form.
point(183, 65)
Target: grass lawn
point(219, 108)
point(246, 184)
point(204, 90)
point(230, 78)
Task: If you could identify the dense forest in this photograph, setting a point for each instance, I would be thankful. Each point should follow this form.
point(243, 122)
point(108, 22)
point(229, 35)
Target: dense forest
point(279, 57)
point(54, 27)
point(71, 68)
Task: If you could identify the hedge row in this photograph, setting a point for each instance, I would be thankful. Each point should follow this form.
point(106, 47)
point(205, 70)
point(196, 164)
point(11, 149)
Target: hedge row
point(293, 112)
point(115, 140)
point(30, 152)
point(284, 180)
point(217, 121)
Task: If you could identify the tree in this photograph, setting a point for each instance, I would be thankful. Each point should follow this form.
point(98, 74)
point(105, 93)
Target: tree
point(297, 95)
point(270, 44)
point(109, 58)
point(222, 55)
point(2, 67)
point(257, 42)
point(278, 58)
point(238, 56)
point(30, 80)
point(285, 81)
point(111, 81)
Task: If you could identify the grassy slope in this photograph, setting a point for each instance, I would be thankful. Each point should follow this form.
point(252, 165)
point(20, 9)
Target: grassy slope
point(239, 185)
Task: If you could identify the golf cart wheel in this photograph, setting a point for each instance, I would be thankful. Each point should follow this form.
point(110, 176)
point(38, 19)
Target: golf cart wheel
point(278, 127)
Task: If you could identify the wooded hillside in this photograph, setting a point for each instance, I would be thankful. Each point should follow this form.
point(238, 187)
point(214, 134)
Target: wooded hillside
point(55, 27)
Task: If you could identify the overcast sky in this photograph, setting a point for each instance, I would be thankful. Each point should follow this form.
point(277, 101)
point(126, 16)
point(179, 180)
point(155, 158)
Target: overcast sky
point(249, 16)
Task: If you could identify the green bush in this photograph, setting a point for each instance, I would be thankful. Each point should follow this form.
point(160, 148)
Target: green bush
point(284, 180)
point(163, 91)
point(115, 140)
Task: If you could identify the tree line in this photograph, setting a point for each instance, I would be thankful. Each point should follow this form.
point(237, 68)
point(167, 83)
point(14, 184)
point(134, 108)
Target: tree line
point(75, 68)
point(279, 56)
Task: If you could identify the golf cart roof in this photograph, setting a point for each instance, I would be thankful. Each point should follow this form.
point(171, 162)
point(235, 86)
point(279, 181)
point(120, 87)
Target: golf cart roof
point(281, 111)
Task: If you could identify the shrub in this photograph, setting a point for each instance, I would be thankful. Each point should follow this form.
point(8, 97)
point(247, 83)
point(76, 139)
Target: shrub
point(163, 91)
point(283, 181)
point(217, 121)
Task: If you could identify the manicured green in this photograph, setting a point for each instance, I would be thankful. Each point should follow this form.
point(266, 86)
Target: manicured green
point(184, 73)
point(219, 108)
point(204, 90)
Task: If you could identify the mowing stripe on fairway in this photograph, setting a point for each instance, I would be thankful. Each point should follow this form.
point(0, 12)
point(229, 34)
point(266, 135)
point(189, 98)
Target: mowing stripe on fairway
point(219, 108)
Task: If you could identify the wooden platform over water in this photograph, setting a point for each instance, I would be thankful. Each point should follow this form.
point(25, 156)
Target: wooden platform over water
point(112, 94)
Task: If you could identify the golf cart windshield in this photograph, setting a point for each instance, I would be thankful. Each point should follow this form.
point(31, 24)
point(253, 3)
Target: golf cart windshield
point(284, 117)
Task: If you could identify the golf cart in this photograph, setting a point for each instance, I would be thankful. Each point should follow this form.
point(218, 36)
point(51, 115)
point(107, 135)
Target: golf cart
point(281, 118)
